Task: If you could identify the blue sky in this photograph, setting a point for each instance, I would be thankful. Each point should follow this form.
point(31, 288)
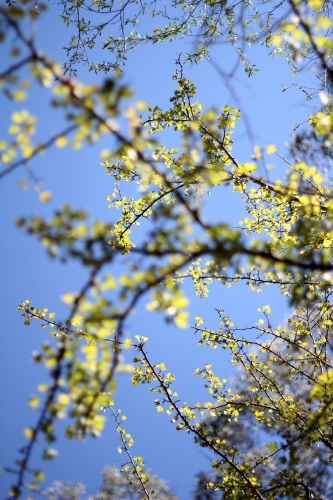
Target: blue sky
point(77, 177)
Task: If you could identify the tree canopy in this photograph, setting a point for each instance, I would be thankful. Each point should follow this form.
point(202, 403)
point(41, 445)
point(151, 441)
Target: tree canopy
point(269, 426)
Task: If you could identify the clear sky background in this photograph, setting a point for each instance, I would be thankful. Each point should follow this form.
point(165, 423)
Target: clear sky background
point(77, 178)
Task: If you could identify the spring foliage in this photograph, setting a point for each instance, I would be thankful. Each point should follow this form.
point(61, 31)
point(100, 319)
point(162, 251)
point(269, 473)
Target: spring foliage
point(285, 240)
